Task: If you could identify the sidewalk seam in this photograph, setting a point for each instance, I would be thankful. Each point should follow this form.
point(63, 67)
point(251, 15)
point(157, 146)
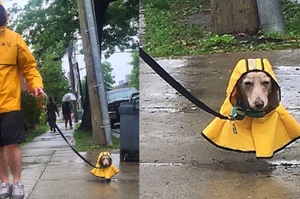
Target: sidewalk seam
point(33, 187)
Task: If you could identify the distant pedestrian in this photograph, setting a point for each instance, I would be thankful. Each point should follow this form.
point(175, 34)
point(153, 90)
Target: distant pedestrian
point(67, 111)
point(52, 109)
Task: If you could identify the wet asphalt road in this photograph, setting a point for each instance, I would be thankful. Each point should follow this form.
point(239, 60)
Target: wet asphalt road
point(177, 162)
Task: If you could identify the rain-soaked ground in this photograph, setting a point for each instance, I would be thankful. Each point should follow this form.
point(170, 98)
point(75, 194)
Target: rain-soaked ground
point(177, 162)
point(52, 170)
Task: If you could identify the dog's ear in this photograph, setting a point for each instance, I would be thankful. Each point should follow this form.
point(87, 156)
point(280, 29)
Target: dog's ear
point(237, 96)
point(275, 95)
point(110, 161)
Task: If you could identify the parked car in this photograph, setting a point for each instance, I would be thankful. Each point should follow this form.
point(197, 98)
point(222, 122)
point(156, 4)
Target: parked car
point(114, 99)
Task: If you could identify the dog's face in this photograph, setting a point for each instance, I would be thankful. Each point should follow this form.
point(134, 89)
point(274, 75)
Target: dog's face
point(105, 161)
point(255, 88)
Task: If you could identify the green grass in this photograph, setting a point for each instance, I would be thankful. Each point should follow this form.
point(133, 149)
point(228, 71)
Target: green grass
point(30, 135)
point(169, 34)
point(84, 141)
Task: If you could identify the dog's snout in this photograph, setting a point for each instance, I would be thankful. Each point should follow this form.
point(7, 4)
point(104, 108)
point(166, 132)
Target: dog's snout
point(259, 103)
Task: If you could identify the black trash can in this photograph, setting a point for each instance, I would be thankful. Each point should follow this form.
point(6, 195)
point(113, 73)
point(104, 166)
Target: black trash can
point(129, 131)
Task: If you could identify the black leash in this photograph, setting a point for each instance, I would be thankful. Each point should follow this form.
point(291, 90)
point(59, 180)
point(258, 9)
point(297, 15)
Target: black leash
point(64, 137)
point(177, 86)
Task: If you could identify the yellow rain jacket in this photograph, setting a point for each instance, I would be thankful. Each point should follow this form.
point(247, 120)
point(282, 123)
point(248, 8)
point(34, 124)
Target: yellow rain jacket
point(15, 59)
point(104, 172)
point(264, 134)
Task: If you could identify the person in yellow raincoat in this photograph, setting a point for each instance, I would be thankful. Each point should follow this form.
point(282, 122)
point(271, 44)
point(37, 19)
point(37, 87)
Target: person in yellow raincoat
point(263, 133)
point(15, 59)
point(102, 171)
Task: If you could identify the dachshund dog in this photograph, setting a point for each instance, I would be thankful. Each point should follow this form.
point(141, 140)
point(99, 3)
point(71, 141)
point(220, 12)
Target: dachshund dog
point(104, 168)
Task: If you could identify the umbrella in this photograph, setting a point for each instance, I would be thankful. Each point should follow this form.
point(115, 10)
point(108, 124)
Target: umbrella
point(68, 97)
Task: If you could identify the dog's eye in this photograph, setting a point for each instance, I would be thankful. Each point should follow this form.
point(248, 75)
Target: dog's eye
point(248, 84)
point(265, 83)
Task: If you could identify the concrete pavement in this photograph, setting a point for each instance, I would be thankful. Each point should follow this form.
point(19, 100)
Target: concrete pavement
point(52, 170)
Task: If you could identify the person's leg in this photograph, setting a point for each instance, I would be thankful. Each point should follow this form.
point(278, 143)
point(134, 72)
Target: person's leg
point(70, 121)
point(66, 120)
point(14, 160)
point(3, 166)
point(5, 186)
point(12, 133)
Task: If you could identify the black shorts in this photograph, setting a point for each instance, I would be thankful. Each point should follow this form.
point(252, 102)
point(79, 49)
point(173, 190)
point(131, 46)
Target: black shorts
point(12, 128)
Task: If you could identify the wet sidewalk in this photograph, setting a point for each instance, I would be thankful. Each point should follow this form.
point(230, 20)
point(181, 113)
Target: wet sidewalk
point(179, 163)
point(52, 170)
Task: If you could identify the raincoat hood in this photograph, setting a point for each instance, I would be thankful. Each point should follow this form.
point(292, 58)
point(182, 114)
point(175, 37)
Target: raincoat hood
point(102, 171)
point(263, 133)
point(3, 27)
point(242, 68)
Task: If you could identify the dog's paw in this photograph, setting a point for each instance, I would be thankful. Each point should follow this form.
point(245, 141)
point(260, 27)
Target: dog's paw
point(104, 180)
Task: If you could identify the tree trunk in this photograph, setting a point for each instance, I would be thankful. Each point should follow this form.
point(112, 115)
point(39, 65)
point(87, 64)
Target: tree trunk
point(234, 16)
point(86, 122)
point(96, 116)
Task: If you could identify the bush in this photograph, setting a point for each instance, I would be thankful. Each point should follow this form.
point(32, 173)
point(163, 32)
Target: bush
point(31, 110)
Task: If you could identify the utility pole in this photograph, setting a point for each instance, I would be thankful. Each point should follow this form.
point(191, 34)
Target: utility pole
point(80, 85)
point(70, 52)
point(98, 71)
point(271, 15)
point(95, 109)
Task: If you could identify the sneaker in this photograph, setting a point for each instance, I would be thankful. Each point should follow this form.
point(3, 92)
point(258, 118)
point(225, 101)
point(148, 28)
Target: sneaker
point(18, 191)
point(71, 127)
point(5, 190)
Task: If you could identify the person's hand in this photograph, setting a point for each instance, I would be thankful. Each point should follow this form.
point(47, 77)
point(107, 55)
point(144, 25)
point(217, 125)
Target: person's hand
point(39, 93)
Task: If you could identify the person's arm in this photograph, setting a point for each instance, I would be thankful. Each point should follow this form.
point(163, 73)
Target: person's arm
point(28, 68)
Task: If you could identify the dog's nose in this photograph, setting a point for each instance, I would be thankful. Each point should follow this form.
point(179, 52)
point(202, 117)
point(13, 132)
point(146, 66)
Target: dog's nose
point(259, 103)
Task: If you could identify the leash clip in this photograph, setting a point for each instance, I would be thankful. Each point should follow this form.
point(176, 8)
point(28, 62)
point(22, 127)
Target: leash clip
point(232, 119)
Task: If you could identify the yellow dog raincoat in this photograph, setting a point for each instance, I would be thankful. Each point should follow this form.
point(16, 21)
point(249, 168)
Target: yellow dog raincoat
point(264, 134)
point(104, 172)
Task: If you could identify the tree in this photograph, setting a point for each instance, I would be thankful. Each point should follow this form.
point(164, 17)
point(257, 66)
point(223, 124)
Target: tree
point(108, 79)
point(52, 25)
point(118, 32)
point(234, 16)
point(134, 79)
point(51, 68)
point(117, 24)
point(47, 25)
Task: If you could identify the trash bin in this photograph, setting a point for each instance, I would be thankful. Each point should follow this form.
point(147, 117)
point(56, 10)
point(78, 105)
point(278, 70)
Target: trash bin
point(129, 131)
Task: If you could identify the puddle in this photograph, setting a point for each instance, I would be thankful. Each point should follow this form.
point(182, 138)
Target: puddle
point(285, 163)
point(168, 164)
point(288, 77)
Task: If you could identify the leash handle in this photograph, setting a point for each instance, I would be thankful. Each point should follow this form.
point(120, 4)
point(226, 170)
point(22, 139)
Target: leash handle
point(177, 86)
